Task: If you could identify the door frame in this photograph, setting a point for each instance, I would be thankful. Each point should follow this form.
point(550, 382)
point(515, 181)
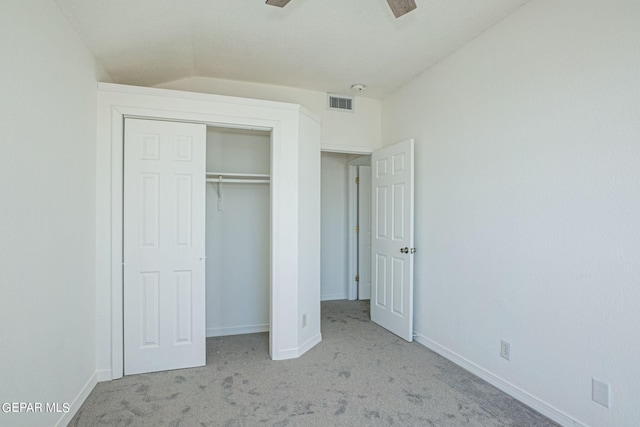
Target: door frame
point(118, 273)
point(352, 194)
point(283, 121)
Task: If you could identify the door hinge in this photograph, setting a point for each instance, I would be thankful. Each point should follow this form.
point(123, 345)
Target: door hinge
point(357, 277)
point(357, 228)
point(357, 180)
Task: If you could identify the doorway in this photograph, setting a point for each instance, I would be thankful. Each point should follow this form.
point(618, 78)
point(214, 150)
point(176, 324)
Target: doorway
point(345, 270)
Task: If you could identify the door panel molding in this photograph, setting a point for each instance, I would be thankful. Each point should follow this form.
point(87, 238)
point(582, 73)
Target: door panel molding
point(392, 275)
point(163, 245)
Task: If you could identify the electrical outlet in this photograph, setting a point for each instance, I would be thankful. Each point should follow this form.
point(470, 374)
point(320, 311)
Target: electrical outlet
point(304, 320)
point(600, 392)
point(505, 350)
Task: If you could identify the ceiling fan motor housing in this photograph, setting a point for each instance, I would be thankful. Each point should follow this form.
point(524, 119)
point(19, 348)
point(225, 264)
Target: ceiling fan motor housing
point(398, 7)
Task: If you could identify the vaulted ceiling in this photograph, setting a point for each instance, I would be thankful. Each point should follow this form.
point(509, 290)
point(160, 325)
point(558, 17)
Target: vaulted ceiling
point(323, 45)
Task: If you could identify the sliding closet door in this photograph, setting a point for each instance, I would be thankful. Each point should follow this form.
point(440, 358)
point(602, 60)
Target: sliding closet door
point(164, 247)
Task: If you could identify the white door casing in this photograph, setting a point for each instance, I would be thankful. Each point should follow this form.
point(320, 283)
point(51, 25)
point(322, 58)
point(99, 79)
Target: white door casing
point(164, 245)
point(364, 234)
point(392, 239)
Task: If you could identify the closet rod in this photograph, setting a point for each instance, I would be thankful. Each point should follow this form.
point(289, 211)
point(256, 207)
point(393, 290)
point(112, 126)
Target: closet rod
point(249, 175)
point(239, 181)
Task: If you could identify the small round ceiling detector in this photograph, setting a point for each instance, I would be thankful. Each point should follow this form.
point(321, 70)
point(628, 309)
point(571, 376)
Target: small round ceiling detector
point(358, 87)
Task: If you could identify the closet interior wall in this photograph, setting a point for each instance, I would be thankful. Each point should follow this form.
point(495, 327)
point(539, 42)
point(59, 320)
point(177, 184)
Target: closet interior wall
point(238, 232)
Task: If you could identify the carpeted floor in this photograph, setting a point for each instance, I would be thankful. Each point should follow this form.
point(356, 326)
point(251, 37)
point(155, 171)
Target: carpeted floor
point(359, 375)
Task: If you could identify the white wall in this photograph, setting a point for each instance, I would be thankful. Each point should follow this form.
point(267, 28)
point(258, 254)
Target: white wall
point(238, 234)
point(357, 131)
point(309, 333)
point(334, 226)
point(47, 205)
point(528, 202)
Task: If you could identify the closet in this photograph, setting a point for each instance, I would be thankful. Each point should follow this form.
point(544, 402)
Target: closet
point(256, 195)
point(237, 231)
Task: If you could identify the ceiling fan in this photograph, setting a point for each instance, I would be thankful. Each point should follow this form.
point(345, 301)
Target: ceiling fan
point(398, 7)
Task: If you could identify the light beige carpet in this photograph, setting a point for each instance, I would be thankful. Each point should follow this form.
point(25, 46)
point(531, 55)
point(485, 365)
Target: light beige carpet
point(359, 375)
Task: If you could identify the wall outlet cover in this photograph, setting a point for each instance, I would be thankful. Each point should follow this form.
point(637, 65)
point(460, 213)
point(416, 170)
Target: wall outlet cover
point(600, 392)
point(505, 349)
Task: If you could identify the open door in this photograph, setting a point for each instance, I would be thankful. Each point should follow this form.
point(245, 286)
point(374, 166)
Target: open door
point(164, 245)
point(392, 239)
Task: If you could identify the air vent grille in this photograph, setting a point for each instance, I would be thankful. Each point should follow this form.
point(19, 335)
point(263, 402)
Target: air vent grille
point(344, 103)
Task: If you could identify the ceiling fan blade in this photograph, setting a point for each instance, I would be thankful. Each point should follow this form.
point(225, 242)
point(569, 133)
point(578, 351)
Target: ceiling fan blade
point(279, 3)
point(400, 7)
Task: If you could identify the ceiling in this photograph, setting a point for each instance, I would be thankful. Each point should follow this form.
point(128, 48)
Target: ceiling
point(323, 45)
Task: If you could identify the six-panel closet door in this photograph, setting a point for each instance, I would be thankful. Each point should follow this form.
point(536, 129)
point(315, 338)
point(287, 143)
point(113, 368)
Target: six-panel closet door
point(164, 245)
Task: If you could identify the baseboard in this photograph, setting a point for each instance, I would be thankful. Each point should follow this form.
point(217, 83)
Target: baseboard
point(237, 330)
point(543, 407)
point(333, 297)
point(309, 344)
point(78, 401)
point(294, 353)
point(291, 353)
point(104, 375)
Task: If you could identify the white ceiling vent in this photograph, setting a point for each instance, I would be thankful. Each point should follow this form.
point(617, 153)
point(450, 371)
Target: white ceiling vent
point(339, 102)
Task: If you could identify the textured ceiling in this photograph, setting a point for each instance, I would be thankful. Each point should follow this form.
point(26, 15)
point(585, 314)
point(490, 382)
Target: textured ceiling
point(323, 45)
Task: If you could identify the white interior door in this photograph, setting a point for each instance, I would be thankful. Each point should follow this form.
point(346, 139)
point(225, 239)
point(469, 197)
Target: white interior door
point(392, 240)
point(364, 233)
point(164, 245)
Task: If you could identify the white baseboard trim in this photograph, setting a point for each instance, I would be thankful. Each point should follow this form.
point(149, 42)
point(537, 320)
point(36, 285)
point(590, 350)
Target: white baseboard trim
point(543, 407)
point(236, 330)
point(78, 401)
point(309, 344)
point(104, 375)
point(294, 353)
point(291, 353)
point(333, 297)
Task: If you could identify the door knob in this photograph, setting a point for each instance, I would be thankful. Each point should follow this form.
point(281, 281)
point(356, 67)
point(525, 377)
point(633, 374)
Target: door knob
point(404, 250)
